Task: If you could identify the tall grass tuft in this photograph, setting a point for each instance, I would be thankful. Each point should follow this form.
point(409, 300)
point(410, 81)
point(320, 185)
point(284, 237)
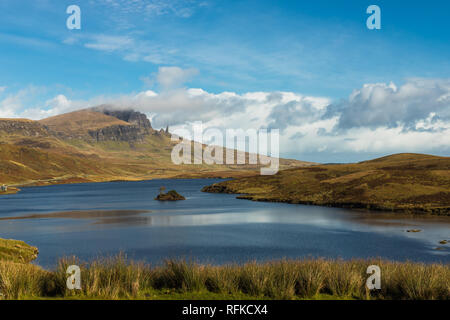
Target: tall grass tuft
point(311, 277)
point(19, 281)
point(181, 275)
point(344, 279)
point(107, 278)
point(419, 282)
point(118, 278)
point(282, 279)
point(223, 279)
point(252, 278)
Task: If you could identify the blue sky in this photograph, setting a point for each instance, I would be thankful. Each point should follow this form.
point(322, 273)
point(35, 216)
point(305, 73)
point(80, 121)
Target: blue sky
point(318, 49)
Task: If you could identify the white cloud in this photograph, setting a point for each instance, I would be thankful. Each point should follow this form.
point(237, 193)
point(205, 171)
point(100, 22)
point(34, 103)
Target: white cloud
point(180, 8)
point(14, 102)
point(130, 47)
point(309, 125)
point(172, 77)
point(110, 43)
point(386, 105)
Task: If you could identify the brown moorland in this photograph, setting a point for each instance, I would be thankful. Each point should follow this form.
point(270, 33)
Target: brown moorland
point(415, 183)
point(95, 146)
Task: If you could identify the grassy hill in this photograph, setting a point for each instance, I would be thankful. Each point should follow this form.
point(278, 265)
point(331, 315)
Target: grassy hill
point(79, 123)
point(402, 182)
point(94, 146)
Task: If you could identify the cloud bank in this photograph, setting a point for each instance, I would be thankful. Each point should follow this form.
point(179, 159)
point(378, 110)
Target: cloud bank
point(386, 105)
point(379, 118)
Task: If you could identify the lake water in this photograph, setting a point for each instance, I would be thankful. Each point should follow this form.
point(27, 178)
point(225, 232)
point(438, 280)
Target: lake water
point(211, 228)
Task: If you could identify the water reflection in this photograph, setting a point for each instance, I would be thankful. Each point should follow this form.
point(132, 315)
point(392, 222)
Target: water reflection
point(91, 219)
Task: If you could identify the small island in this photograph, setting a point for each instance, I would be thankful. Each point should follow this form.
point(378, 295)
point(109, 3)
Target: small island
point(172, 195)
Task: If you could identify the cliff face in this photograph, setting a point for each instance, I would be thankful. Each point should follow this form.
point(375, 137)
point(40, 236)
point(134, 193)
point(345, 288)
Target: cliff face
point(128, 115)
point(118, 133)
point(139, 126)
point(133, 117)
point(94, 125)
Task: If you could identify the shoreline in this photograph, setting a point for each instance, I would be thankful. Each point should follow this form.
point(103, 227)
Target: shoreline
point(408, 183)
point(11, 190)
point(15, 187)
point(361, 207)
point(372, 207)
point(368, 207)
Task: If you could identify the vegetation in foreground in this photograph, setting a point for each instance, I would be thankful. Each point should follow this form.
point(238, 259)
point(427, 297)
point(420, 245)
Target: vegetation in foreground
point(116, 278)
point(402, 182)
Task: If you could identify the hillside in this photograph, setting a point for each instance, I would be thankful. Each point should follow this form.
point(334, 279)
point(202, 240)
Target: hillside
point(94, 145)
point(79, 123)
point(401, 182)
point(22, 127)
point(17, 251)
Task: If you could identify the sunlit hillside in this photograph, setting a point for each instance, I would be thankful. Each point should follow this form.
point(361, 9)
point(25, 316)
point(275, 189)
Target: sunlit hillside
point(401, 182)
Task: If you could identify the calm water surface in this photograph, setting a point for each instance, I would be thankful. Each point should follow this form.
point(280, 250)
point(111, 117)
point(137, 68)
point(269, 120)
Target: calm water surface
point(212, 228)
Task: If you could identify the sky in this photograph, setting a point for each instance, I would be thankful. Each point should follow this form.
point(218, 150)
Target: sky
point(337, 91)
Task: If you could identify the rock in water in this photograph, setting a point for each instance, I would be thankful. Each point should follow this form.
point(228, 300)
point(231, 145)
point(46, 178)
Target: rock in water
point(172, 195)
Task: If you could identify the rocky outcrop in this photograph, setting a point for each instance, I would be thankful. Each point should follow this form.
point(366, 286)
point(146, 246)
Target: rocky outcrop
point(139, 127)
point(172, 195)
point(134, 127)
point(135, 118)
point(118, 133)
point(217, 188)
point(23, 127)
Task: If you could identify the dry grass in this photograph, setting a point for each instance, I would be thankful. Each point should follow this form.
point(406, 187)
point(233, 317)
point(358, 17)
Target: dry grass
point(402, 182)
point(116, 278)
point(18, 280)
point(80, 122)
point(17, 251)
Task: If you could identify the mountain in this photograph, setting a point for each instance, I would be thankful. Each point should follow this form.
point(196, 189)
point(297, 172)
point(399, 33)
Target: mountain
point(401, 182)
point(80, 124)
point(98, 144)
point(100, 126)
point(128, 115)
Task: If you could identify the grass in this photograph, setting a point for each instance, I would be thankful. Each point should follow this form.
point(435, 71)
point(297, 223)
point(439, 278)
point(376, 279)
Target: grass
point(117, 278)
point(17, 251)
point(410, 183)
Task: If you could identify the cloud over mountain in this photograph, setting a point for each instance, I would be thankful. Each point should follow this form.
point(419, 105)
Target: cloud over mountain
point(375, 119)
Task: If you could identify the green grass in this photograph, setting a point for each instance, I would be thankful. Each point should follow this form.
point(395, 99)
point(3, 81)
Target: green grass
point(117, 278)
point(17, 251)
